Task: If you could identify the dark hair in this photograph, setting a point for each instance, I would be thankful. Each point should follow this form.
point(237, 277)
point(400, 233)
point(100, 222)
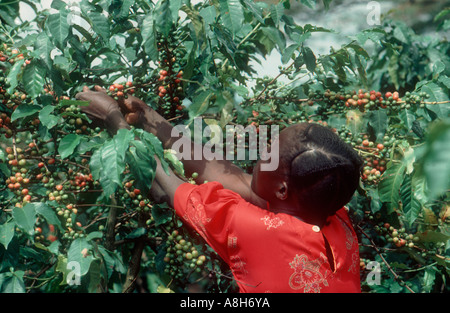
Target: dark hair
point(324, 171)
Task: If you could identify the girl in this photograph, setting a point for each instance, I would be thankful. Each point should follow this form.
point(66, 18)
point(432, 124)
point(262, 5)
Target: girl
point(285, 230)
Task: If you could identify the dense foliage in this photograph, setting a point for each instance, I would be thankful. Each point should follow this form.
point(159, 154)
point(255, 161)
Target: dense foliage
point(74, 215)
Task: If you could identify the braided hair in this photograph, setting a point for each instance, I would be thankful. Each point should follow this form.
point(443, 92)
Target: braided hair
point(323, 170)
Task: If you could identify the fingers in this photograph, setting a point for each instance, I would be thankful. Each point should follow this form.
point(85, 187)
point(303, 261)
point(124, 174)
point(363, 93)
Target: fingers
point(81, 95)
point(132, 118)
point(127, 105)
point(99, 88)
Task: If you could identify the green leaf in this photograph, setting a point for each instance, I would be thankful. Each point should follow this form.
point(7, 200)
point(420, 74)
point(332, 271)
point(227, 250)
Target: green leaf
point(94, 235)
point(232, 14)
point(433, 236)
point(125, 9)
point(47, 119)
point(59, 27)
point(378, 120)
point(170, 156)
point(393, 69)
point(161, 213)
point(354, 121)
point(24, 110)
point(276, 13)
point(108, 162)
point(79, 251)
point(138, 232)
point(175, 6)
point(163, 18)
point(389, 186)
point(407, 117)
point(402, 32)
point(309, 58)
point(200, 104)
point(419, 188)
point(100, 24)
point(95, 276)
point(289, 52)
point(256, 10)
point(47, 213)
point(142, 165)
point(13, 282)
point(34, 78)
point(435, 162)
point(44, 47)
point(25, 218)
point(7, 233)
point(428, 279)
point(437, 94)
point(149, 37)
point(58, 4)
point(68, 144)
point(9, 11)
point(326, 4)
point(12, 76)
point(373, 34)
point(209, 15)
point(411, 207)
point(227, 45)
point(309, 3)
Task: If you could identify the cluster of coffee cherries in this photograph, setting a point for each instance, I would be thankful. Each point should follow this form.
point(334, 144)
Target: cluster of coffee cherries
point(186, 254)
point(10, 54)
point(36, 176)
point(120, 91)
point(169, 74)
point(75, 120)
point(19, 181)
point(362, 100)
point(132, 197)
point(398, 237)
point(375, 154)
point(5, 125)
point(44, 231)
point(414, 100)
point(183, 257)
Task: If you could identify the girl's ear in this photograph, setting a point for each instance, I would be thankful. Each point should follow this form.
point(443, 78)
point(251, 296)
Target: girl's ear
point(282, 190)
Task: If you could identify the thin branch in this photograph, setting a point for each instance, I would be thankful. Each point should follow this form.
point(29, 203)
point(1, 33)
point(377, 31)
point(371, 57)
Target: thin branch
point(111, 225)
point(274, 80)
point(134, 265)
point(383, 259)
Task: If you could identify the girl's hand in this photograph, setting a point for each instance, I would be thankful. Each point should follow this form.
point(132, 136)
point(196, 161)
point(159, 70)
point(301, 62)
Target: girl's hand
point(102, 108)
point(134, 109)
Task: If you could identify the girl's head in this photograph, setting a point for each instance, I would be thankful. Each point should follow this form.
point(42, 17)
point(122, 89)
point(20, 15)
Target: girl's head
point(317, 173)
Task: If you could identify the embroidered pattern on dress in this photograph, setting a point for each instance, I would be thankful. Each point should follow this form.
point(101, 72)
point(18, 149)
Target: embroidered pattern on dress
point(355, 262)
point(232, 242)
point(307, 275)
point(195, 213)
point(348, 234)
point(272, 222)
point(238, 265)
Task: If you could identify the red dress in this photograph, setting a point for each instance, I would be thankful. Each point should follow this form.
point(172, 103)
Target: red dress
point(270, 252)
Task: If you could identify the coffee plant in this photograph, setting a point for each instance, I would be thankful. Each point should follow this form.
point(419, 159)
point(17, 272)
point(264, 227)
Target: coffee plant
point(75, 210)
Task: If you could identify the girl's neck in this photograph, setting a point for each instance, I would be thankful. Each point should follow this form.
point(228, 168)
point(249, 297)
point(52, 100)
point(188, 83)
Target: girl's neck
point(316, 219)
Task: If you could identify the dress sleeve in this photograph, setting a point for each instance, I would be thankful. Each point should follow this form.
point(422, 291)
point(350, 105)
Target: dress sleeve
point(208, 209)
